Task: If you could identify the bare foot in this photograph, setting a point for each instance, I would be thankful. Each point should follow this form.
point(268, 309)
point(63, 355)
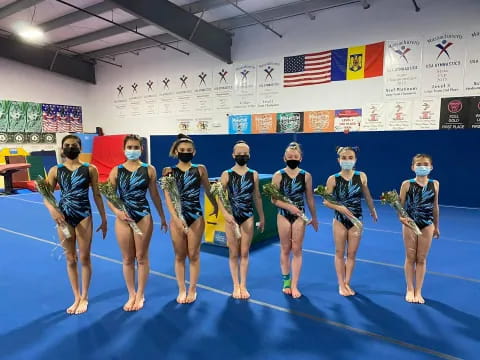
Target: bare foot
point(182, 297)
point(296, 293)
point(191, 297)
point(236, 293)
point(287, 291)
point(350, 290)
point(139, 301)
point(244, 293)
point(419, 299)
point(342, 290)
point(82, 306)
point(129, 304)
point(410, 296)
point(73, 308)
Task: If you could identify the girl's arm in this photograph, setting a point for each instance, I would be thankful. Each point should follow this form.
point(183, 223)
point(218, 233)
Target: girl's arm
point(340, 208)
point(112, 179)
point(311, 200)
point(436, 211)
point(227, 216)
point(368, 196)
point(257, 199)
point(97, 197)
point(292, 209)
point(57, 216)
point(403, 195)
point(157, 201)
point(171, 208)
point(206, 186)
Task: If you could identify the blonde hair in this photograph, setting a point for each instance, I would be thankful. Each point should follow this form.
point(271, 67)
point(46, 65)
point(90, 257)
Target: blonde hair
point(341, 149)
point(294, 146)
point(180, 138)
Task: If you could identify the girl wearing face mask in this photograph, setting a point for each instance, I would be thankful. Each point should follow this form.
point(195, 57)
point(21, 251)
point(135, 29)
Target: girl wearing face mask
point(348, 186)
point(420, 198)
point(296, 184)
point(132, 180)
point(74, 179)
point(243, 191)
point(189, 177)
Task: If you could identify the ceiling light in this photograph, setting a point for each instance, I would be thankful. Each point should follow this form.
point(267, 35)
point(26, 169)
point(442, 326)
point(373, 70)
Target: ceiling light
point(30, 33)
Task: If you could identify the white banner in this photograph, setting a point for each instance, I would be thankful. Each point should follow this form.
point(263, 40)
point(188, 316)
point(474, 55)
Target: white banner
point(402, 68)
point(203, 84)
point(149, 92)
point(269, 84)
point(166, 95)
point(245, 88)
point(472, 65)
point(426, 114)
point(135, 100)
point(398, 115)
point(120, 102)
point(184, 84)
point(223, 80)
point(347, 120)
point(443, 64)
point(373, 117)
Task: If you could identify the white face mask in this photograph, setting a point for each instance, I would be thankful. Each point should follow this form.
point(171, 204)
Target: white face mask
point(347, 164)
point(133, 154)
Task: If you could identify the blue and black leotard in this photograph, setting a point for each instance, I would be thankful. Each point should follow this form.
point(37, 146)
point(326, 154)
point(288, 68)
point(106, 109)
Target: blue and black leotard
point(294, 189)
point(240, 193)
point(132, 189)
point(74, 202)
point(188, 183)
point(419, 203)
point(349, 193)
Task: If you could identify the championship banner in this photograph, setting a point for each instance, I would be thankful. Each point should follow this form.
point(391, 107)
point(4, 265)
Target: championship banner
point(373, 117)
point(166, 95)
point(347, 120)
point(402, 68)
point(203, 84)
point(245, 88)
point(264, 123)
point(455, 113)
point(426, 114)
point(269, 84)
point(443, 64)
point(120, 102)
point(398, 115)
point(184, 83)
point(472, 65)
point(149, 95)
point(318, 121)
point(223, 80)
point(475, 111)
point(240, 124)
point(134, 100)
point(290, 122)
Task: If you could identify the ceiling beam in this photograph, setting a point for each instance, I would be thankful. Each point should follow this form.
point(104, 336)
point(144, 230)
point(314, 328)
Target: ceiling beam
point(76, 16)
point(17, 6)
point(182, 24)
point(47, 59)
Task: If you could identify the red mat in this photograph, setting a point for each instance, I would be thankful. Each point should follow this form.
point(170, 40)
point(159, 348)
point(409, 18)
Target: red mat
point(107, 153)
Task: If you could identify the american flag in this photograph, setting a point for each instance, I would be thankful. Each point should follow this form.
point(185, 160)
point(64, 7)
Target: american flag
point(308, 69)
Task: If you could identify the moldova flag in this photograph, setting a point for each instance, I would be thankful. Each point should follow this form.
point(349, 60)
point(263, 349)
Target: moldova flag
point(357, 62)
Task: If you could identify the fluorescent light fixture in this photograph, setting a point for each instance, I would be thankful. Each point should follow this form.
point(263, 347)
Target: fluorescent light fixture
point(29, 33)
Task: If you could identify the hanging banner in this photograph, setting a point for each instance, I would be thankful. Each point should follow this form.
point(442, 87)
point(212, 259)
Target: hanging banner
point(203, 91)
point(240, 124)
point(17, 116)
point(120, 102)
point(475, 111)
point(373, 117)
point(426, 114)
point(402, 68)
point(472, 65)
point(76, 123)
point(245, 88)
point(347, 120)
point(443, 64)
point(398, 115)
point(318, 121)
point(223, 80)
point(269, 84)
point(166, 95)
point(184, 93)
point(49, 118)
point(135, 100)
point(34, 117)
point(264, 123)
point(63, 118)
point(290, 122)
point(4, 104)
point(455, 113)
point(150, 98)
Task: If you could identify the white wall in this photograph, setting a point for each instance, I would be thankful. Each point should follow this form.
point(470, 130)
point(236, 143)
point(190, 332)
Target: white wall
point(335, 28)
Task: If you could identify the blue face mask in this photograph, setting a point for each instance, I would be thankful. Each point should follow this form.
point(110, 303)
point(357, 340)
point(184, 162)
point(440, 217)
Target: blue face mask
point(133, 154)
point(347, 164)
point(422, 170)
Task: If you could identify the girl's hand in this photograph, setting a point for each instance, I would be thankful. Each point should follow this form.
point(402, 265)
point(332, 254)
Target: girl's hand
point(374, 215)
point(229, 219)
point(404, 221)
point(103, 227)
point(436, 233)
point(314, 223)
point(342, 209)
point(261, 225)
point(292, 209)
point(164, 226)
point(58, 217)
point(122, 215)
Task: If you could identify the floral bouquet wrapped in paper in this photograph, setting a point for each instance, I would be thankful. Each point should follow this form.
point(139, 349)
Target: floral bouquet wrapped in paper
point(391, 198)
point(168, 184)
point(272, 191)
point(108, 190)
point(217, 189)
point(46, 191)
point(322, 191)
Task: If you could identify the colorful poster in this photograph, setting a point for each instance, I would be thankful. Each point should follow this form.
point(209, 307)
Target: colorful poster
point(443, 64)
point(17, 116)
point(63, 118)
point(223, 81)
point(290, 122)
point(240, 124)
point(264, 123)
point(76, 122)
point(203, 124)
point(4, 104)
point(472, 65)
point(245, 88)
point(166, 95)
point(319, 121)
point(184, 93)
point(455, 113)
point(150, 98)
point(347, 120)
point(185, 125)
point(426, 114)
point(402, 68)
point(398, 115)
point(203, 91)
point(49, 118)
point(135, 100)
point(373, 117)
point(269, 84)
point(475, 112)
point(34, 117)
point(120, 102)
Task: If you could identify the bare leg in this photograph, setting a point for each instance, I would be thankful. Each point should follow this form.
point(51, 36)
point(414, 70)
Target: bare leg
point(285, 235)
point(423, 247)
point(353, 243)
point(410, 243)
point(127, 247)
point(340, 235)
point(298, 232)
point(84, 239)
point(247, 234)
point(72, 271)
point(141, 252)
point(179, 241)
point(234, 251)
point(194, 238)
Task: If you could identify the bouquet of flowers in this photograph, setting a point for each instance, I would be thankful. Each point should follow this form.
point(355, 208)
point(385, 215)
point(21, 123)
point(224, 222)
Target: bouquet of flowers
point(322, 191)
point(217, 189)
point(272, 191)
point(46, 191)
point(168, 184)
point(107, 189)
point(391, 198)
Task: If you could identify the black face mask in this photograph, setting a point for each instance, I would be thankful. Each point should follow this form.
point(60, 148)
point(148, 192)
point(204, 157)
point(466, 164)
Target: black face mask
point(242, 159)
point(185, 157)
point(71, 152)
point(293, 164)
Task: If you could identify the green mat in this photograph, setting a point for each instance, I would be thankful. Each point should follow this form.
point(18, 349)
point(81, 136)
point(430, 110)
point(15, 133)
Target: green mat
point(37, 167)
